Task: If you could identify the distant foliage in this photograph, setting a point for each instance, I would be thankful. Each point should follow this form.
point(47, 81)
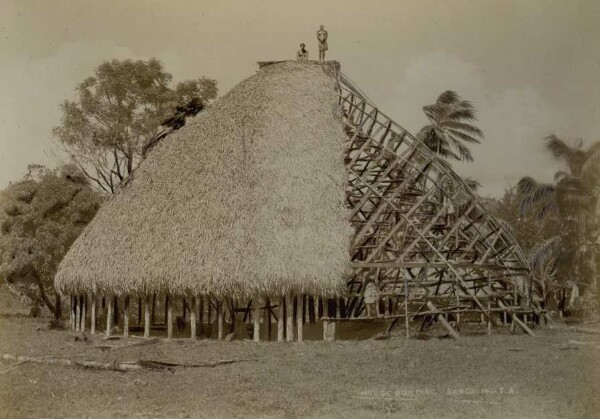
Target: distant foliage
point(40, 217)
point(118, 111)
point(570, 205)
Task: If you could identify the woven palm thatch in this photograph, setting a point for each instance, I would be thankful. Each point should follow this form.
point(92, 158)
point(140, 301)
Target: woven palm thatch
point(246, 199)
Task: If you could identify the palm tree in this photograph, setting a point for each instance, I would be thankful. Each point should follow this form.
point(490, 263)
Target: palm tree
point(572, 203)
point(450, 127)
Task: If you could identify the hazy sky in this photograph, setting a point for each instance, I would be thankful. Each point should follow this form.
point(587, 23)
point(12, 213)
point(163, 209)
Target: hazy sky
point(532, 68)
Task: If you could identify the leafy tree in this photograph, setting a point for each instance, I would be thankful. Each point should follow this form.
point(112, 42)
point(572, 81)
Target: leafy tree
point(40, 217)
point(572, 204)
point(119, 110)
point(450, 127)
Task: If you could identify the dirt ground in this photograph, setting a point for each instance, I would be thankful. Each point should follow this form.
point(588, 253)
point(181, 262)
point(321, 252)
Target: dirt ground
point(555, 374)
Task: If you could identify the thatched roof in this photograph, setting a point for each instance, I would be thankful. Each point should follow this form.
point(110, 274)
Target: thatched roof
point(248, 198)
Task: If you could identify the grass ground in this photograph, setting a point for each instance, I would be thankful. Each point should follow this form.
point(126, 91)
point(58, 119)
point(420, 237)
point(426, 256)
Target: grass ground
point(555, 374)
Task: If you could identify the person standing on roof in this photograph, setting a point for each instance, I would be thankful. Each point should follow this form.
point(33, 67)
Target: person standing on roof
point(302, 54)
point(322, 38)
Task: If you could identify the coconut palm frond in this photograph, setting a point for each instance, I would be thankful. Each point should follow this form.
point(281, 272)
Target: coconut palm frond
point(448, 97)
point(433, 112)
point(590, 171)
point(526, 185)
point(456, 125)
point(463, 152)
point(546, 250)
point(473, 184)
point(457, 114)
point(548, 209)
point(463, 136)
point(558, 147)
point(533, 193)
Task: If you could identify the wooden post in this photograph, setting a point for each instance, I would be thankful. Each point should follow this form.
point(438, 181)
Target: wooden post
point(220, 318)
point(306, 309)
point(256, 302)
point(109, 317)
point(126, 316)
point(208, 316)
point(139, 312)
point(169, 317)
point(147, 316)
point(300, 318)
point(193, 318)
point(82, 310)
point(444, 322)
point(115, 310)
point(333, 325)
point(267, 317)
point(152, 318)
point(201, 313)
point(280, 324)
point(328, 326)
point(289, 327)
point(77, 316)
point(326, 322)
point(71, 317)
point(93, 315)
point(316, 307)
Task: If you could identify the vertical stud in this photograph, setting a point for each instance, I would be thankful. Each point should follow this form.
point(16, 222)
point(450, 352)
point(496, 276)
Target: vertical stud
point(109, 316)
point(220, 318)
point(300, 318)
point(93, 315)
point(256, 303)
point(126, 317)
point(77, 313)
point(280, 317)
point(193, 318)
point(169, 317)
point(146, 316)
point(289, 303)
point(82, 313)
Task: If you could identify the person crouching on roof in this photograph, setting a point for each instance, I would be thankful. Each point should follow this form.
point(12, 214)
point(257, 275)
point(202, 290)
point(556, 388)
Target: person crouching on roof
point(302, 54)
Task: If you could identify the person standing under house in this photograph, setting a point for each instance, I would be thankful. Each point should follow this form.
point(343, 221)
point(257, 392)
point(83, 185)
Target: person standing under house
point(302, 54)
point(322, 38)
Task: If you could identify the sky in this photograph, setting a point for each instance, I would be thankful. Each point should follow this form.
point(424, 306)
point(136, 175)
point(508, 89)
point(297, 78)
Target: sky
point(531, 67)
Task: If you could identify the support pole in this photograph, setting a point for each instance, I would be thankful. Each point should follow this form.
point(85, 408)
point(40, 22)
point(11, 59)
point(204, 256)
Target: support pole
point(169, 317)
point(77, 313)
point(220, 318)
point(109, 316)
point(139, 311)
point(193, 318)
point(209, 316)
point(516, 320)
point(300, 318)
point(72, 313)
point(280, 324)
point(289, 305)
point(444, 322)
point(93, 315)
point(147, 316)
point(256, 302)
point(328, 326)
point(267, 317)
point(316, 307)
point(201, 313)
point(126, 316)
point(82, 312)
